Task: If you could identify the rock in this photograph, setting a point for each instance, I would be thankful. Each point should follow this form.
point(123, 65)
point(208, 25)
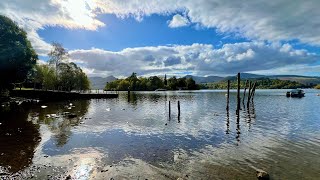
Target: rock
point(68, 177)
point(262, 175)
point(72, 115)
point(166, 124)
point(48, 116)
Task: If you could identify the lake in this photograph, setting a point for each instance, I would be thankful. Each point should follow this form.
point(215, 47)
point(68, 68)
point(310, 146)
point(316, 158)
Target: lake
point(134, 137)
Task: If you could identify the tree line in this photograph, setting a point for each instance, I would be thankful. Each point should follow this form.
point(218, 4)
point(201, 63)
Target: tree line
point(262, 83)
point(151, 83)
point(59, 74)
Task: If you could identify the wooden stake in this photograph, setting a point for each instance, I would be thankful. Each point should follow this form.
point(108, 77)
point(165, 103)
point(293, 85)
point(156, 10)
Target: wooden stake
point(169, 109)
point(238, 94)
point(228, 95)
point(249, 92)
point(178, 108)
point(244, 93)
point(253, 90)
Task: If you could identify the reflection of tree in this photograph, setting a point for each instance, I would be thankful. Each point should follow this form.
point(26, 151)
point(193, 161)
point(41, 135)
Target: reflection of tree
point(18, 140)
point(61, 126)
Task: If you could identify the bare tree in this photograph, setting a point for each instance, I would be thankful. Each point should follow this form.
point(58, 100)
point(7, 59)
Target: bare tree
point(57, 55)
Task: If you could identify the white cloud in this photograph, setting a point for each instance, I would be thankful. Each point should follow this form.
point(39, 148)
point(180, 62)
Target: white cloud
point(200, 59)
point(258, 20)
point(270, 21)
point(33, 15)
point(178, 21)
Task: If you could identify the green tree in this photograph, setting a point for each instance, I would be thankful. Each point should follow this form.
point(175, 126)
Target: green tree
point(173, 83)
point(191, 84)
point(17, 56)
point(45, 76)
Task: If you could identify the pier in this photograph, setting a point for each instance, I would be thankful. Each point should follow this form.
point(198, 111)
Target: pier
point(63, 95)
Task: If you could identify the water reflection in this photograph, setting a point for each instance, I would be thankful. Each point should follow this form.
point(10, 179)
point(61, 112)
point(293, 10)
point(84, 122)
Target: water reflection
point(228, 122)
point(55, 116)
point(18, 139)
point(137, 139)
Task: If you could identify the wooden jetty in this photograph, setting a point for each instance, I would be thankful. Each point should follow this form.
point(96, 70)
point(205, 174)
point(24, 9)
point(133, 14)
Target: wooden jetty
point(61, 95)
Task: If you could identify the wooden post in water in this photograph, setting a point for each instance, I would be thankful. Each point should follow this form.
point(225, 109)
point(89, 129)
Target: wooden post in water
point(244, 93)
point(128, 94)
point(253, 90)
point(238, 94)
point(178, 108)
point(249, 93)
point(169, 109)
point(228, 95)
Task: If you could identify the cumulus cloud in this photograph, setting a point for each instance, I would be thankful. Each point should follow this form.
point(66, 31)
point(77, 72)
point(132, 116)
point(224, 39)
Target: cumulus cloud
point(178, 21)
point(201, 59)
point(268, 21)
point(33, 15)
point(258, 20)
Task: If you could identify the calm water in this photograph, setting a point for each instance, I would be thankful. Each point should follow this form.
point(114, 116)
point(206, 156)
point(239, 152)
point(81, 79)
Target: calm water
point(134, 138)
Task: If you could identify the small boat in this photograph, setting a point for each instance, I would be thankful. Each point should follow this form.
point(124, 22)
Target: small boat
point(295, 93)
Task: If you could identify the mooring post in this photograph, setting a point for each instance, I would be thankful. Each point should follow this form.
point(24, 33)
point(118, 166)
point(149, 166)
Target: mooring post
point(253, 90)
point(178, 108)
point(238, 94)
point(249, 93)
point(228, 94)
point(128, 94)
point(244, 93)
point(169, 109)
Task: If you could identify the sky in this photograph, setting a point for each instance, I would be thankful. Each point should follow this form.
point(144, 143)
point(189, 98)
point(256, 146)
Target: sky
point(176, 37)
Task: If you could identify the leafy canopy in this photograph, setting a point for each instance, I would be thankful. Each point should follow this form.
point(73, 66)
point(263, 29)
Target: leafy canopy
point(17, 56)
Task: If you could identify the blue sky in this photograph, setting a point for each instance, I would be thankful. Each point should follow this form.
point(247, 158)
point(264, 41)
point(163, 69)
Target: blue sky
point(123, 33)
point(205, 37)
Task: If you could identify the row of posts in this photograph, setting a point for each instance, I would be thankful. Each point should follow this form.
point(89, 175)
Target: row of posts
point(178, 109)
point(251, 91)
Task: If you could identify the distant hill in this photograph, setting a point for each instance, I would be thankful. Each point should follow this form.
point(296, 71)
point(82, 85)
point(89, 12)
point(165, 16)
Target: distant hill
point(207, 79)
point(244, 76)
point(307, 80)
point(100, 82)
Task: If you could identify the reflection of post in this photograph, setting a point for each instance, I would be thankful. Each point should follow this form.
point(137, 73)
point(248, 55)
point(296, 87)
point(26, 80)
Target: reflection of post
point(228, 122)
point(228, 95)
point(238, 94)
point(178, 108)
point(248, 116)
point(128, 96)
point(169, 109)
point(238, 129)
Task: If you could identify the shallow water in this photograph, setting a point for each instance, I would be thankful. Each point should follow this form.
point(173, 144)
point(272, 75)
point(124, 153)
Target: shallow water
point(134, 138)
